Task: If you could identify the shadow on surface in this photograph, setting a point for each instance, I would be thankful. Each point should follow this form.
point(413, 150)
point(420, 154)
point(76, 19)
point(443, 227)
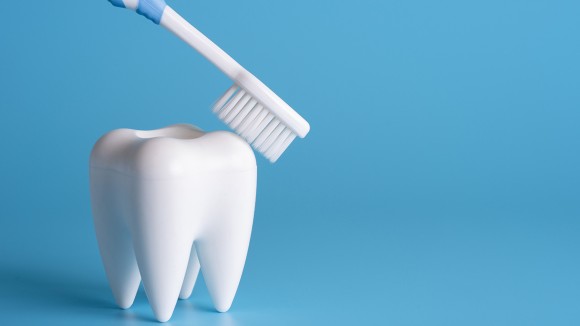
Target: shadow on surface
point(29, 290)
point(47, 289)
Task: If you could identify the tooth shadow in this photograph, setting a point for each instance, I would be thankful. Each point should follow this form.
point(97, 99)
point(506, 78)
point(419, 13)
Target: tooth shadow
point(39, 290)
point(48, 290)
point(198, 306)
point(149, 319)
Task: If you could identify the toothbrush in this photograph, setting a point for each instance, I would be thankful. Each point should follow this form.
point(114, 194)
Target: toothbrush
point(249, 107)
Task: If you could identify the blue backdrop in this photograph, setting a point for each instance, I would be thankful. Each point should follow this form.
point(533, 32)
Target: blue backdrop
point(439, 184)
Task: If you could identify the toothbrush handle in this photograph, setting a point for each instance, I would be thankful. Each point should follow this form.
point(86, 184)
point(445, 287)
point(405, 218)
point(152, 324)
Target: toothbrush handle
point(176, 24)
point(160, 13)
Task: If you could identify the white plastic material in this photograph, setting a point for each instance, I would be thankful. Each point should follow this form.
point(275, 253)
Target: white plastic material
point(167, 201)
point(131, 4)
point(263, 96)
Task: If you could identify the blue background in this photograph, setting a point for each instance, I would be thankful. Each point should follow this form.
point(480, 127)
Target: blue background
point(439, 184)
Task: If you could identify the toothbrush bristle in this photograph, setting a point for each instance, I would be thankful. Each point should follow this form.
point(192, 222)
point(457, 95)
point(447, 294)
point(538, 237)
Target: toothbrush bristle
point(252, 121)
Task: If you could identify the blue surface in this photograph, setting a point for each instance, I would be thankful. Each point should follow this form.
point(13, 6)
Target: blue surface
point(439, 185)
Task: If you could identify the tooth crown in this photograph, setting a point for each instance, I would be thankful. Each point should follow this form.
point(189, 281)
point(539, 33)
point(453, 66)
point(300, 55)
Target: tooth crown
point(167, 202)
point(166, 152)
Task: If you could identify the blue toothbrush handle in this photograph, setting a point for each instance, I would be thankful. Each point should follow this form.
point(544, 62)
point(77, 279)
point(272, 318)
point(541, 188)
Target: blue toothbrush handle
point(151, 9)
point(161, 14)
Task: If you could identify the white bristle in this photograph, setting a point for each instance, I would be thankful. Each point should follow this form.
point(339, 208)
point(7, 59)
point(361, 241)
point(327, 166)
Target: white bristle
point(243, 114)
point(272, 137)
point(282, 147)
point(265, 133)
point(251, 128)
point(226, 97)
point(274, 148)
point(250, 118)
point(237, 109)
point(230, 104)
point(258, 128)
point(254, 122)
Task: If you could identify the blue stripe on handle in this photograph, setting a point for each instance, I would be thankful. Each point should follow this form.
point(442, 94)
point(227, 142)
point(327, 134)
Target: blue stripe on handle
point(117, 3)
point(152, 9)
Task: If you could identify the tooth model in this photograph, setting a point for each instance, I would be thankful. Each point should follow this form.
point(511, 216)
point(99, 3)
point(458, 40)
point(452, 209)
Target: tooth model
point(167, 201)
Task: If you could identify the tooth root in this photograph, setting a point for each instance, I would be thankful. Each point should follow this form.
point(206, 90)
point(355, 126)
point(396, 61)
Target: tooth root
point(114, 239)
point(222, 269)
point(190, 275)
point(222, 251)
point(163, 240)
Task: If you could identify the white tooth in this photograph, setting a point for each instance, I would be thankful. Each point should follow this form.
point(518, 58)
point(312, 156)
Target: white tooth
point(109, 212)
point(222, 248)
point(190, 275)
point(163, 192)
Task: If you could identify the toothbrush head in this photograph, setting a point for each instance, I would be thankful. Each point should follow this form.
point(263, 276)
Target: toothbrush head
point(249, 107)
point(257, 114)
